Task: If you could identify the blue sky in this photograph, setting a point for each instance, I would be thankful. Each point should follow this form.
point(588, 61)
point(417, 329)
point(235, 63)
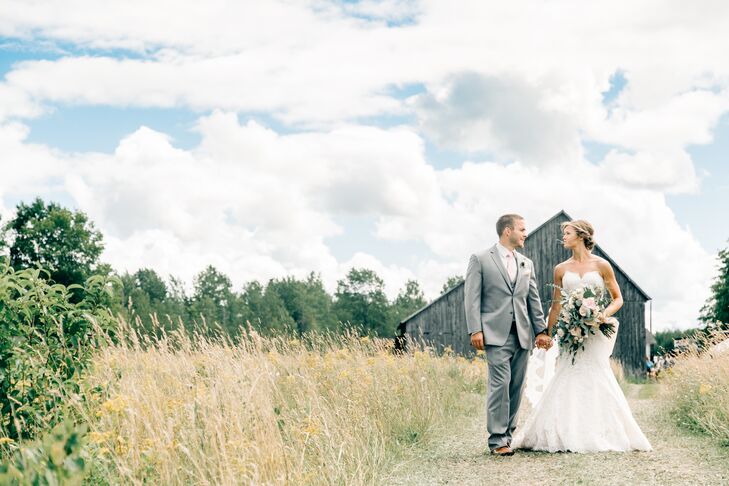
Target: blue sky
point(380, 134)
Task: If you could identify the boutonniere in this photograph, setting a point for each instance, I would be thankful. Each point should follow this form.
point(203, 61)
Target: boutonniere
point(523, 264)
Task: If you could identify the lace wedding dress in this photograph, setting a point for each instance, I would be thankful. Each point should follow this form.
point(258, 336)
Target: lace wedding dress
point(582, 408)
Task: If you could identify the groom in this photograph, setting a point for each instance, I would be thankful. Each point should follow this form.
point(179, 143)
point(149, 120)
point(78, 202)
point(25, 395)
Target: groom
point(504, 315)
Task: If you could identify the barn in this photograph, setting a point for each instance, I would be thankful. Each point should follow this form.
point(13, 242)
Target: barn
point(442, 322)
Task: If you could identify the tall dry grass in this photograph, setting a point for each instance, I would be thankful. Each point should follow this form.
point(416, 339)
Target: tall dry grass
point(697, 389)
point(324, 410)
point(618, 371)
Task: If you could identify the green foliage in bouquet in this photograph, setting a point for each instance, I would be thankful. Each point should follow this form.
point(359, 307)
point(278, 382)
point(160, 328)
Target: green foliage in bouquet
point(46, 340)
point(582, 314)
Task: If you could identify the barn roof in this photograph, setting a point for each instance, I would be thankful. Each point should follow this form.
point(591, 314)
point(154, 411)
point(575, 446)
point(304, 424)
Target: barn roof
point(560, 215)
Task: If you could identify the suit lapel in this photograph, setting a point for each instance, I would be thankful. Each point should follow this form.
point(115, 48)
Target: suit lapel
point(518, 259)
point(500, 265)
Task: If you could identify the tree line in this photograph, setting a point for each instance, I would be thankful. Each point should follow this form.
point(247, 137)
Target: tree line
point(67, 246)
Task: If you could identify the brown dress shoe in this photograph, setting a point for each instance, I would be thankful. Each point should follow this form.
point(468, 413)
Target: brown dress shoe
point(503, 451)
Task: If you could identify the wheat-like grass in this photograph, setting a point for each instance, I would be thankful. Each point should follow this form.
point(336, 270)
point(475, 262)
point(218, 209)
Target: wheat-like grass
point(697, 388)
point(185, 409)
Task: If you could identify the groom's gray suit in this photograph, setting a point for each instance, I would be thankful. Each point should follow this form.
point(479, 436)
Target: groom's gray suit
point(510, 316)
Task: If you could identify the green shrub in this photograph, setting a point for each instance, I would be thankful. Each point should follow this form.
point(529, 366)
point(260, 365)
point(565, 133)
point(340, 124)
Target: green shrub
point(56, 459)
point(45, 342)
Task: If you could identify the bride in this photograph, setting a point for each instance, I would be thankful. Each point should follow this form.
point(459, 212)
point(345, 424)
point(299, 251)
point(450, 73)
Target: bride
point(582, 408)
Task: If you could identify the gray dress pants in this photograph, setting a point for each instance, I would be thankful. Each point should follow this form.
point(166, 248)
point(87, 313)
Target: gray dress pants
point(507, 366)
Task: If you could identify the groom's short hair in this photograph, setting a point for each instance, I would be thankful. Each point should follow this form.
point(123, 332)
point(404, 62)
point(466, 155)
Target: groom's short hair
point(506, 221)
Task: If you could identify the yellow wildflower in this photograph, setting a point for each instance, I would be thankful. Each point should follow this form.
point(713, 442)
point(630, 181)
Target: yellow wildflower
point(114, 405)
point(99, 437)
point(312, 427)
point(22, 385)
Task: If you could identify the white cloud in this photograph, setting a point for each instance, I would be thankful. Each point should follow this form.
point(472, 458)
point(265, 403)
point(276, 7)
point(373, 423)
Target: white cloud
point(502, 115)
point(670, 171)
point(634, 225)
point(260, 204)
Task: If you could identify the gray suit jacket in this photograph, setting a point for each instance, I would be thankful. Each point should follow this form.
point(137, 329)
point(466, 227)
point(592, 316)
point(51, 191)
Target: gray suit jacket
point(492, 302)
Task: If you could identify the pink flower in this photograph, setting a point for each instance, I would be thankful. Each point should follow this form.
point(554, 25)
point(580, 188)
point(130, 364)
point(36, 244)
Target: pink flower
point(590, 303)
point(576, 331)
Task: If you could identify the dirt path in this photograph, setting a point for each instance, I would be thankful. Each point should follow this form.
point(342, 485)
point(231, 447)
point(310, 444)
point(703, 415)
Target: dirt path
point(677, 458)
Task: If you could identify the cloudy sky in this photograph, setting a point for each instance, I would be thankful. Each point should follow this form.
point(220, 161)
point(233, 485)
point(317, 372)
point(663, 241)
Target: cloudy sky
point(275, 138)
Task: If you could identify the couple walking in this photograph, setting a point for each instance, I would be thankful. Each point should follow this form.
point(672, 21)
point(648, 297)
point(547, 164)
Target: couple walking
point(582, 408)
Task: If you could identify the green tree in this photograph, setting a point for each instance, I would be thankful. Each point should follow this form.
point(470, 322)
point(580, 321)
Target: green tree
point(143, 295)
point(306, 301)
point(361, 301)
point(320, 304)
point(665, 339)
point(63, 242)
point(177, 304)
point(151, 284)
point(409, 300)
point(213, 299)
point(264, 310)
point(715, 312)
point(451, 282)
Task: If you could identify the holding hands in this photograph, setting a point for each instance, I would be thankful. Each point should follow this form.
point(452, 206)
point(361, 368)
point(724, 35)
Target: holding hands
point(543, 341)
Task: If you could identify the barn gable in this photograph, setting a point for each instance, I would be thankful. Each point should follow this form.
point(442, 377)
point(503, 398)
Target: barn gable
point(442, 322)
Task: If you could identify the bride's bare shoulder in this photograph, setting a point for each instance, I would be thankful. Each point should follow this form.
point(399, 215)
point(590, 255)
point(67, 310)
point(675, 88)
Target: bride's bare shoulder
point(562, 267)
point(601, 262)
point(604, 267)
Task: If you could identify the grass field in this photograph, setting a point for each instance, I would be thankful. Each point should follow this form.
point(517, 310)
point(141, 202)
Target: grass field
point(697, 389)
point(325, 410)
point(188, 409)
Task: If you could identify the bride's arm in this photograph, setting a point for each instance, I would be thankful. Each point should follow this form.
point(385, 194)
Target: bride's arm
point(556, 297)
point(608, 275)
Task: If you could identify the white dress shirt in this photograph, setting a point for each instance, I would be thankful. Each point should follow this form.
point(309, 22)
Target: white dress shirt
point(503, 251)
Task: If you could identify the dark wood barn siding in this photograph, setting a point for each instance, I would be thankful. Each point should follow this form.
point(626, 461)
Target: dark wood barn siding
point(442, 323)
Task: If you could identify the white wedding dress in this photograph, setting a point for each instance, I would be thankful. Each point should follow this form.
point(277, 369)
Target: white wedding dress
point(581, 408)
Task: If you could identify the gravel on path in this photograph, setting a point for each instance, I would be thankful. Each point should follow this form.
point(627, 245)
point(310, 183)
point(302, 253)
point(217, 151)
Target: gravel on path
point(460, 457)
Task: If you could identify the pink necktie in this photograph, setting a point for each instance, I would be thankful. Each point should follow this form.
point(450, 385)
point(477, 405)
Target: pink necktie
point(511, 266)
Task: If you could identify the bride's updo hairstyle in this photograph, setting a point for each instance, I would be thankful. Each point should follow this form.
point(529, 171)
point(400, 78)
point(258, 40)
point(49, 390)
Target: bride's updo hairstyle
point(583, 229)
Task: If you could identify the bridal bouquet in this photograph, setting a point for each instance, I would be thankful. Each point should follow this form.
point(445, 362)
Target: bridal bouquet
point(583, 313)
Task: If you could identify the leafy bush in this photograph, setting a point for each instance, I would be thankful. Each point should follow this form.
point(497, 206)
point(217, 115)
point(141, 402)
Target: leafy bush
point(45, 342)
point(56, 459)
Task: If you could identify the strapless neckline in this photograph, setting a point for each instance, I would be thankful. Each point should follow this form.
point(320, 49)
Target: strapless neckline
point(584, 274)
point(573, 280)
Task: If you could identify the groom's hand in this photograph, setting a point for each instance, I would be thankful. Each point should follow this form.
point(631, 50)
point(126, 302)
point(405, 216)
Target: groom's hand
point(477, 340)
